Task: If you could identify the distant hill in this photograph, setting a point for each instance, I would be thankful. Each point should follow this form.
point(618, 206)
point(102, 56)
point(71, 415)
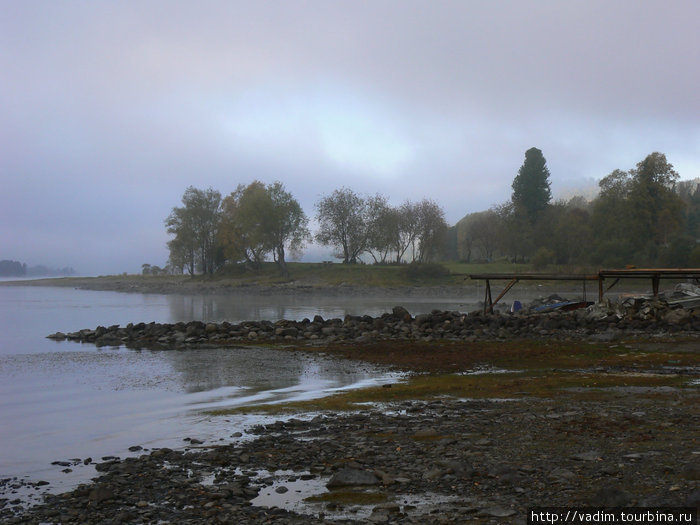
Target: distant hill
point(12, 269)
point(17, 269)
point(43, 271)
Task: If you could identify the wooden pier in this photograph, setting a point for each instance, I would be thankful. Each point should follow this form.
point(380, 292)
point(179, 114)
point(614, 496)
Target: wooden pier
point(655, 274)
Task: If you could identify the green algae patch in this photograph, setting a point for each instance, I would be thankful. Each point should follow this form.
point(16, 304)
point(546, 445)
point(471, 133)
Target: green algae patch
point(456, 356)
point(511, 370)
point(513, 385)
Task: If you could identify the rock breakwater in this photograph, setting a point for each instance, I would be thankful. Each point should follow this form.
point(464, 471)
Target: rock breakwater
point(601, 322)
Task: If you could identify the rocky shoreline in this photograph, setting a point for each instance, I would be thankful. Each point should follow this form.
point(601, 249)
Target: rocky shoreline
point(445, 461)
point(601, 322)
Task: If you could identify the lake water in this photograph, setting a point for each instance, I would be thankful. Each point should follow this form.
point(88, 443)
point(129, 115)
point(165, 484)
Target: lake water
point(60, 401)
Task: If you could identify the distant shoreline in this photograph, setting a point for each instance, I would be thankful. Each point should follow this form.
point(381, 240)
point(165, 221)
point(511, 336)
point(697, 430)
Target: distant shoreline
point(186, 285)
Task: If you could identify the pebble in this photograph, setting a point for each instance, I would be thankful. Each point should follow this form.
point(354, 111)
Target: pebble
point(378, 451)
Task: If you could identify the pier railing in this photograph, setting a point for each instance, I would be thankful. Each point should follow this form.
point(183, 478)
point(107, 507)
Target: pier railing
point(655, 274)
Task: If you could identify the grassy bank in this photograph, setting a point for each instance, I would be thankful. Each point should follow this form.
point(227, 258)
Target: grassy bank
point(335, 274)
point(312, 276)
point(446, 273)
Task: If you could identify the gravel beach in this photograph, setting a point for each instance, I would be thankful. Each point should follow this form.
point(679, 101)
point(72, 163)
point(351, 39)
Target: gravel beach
point(443, 461)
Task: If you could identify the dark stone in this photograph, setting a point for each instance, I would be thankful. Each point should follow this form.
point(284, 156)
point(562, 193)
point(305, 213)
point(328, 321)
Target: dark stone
point(101, 493)
point(693, 499)
point(611, 496)
point(351, 477)
point(401, 313)
point(691, 471)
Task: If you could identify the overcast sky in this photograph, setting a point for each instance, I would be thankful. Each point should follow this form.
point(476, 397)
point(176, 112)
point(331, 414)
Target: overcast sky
point(109, 110)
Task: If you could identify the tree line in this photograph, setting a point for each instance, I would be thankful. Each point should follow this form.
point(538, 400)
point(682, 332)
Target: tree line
point(643, 216)
point(257, 222)
point(9, 268)
point(12, 268)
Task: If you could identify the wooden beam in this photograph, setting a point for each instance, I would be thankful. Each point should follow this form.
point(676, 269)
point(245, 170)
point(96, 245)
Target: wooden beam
point(662, 273)
point(656, 274)
point(534, 276)
point(487, 297)
point(505, 291)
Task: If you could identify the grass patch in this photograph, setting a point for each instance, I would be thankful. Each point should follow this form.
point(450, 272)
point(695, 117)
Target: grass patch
point(337, 274)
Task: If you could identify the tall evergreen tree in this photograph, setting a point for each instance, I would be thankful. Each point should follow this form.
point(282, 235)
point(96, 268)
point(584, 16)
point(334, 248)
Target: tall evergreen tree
point(531, 191)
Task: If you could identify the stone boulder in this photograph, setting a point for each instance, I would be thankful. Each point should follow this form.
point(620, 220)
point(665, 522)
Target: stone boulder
point(401, 313)
point(352, 477)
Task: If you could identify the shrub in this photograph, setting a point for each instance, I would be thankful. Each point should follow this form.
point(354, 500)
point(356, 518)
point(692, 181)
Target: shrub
point(695, 257)
point(615, 254)
point(678, 252)
point(421, 271)
point(543, 258)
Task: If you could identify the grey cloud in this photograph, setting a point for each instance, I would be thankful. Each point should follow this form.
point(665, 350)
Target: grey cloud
point(109, 110)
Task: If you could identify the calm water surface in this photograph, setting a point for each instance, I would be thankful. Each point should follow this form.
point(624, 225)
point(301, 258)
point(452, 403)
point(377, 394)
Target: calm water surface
point(66, 400)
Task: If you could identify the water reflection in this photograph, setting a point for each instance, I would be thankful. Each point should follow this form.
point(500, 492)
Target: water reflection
point(65, 400)
point(75, 404)
point(259, 368)
point(217, 308)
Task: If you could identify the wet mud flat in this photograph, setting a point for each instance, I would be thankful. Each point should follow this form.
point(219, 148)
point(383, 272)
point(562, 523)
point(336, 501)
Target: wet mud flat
point(478, 434)
point(444, 461)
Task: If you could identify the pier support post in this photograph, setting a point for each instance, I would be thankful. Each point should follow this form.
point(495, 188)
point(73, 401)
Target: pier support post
point(488, 305)
point(500, 296)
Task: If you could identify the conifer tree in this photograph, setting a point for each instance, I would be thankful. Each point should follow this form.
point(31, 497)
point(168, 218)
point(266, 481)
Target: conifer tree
point(531, 191)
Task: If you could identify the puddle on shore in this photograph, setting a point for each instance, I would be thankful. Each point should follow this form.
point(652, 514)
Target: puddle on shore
point(288, 491)
point(306, 493)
